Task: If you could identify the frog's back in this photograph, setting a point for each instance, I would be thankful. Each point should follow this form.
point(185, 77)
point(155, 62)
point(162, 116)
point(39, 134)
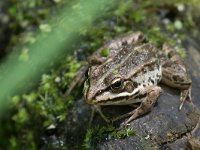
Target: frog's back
point(137, 63)
point(140, 57)
point(131, 59)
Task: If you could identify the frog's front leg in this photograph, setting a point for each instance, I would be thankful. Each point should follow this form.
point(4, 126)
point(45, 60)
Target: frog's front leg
point(174, 74)
point(151, 94)
point(96, 108)
point(149, 97)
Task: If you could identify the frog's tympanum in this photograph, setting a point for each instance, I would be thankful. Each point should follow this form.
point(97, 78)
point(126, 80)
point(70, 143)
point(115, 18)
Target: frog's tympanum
point(127, 71)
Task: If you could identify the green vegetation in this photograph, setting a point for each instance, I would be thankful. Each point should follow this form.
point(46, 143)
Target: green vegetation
point(109, 132)
point(42, 106)
point(105, 52)
point(39, 110)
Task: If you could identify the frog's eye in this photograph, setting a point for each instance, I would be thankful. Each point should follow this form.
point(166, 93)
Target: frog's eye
point(116, 84)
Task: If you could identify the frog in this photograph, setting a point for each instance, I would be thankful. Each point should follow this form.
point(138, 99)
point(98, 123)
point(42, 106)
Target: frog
point(130, 73)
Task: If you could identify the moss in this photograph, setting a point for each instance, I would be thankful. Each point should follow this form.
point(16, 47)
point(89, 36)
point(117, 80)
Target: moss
point(34, 112)
point(102, 133)
point(105, 52)
point(88, 138)
point(123, 133)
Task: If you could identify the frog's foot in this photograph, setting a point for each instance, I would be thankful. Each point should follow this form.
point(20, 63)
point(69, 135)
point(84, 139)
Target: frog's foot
point(152, 94)
point(185, 95)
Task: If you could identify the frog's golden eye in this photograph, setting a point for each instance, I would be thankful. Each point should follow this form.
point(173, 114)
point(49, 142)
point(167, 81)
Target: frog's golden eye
point(117, 83)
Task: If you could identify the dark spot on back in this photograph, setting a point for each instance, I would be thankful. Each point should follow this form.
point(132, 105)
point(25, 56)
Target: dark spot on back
point(144, 70)
point(152, 81)
point(149, 79)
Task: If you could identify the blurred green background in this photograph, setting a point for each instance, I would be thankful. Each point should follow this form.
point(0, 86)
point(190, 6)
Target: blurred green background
point(43, 43)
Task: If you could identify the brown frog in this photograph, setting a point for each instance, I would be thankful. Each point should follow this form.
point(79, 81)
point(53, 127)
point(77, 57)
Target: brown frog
point(130, 73)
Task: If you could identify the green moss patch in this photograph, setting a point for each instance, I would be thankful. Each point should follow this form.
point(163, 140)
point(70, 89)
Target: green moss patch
point(102, 133)
point(105, 52)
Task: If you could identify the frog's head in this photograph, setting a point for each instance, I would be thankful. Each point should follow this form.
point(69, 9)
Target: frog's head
point(110, 82)
point(108, 87)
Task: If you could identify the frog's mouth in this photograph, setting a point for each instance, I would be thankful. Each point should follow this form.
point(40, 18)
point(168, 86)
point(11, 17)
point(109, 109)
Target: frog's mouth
point(123, 98)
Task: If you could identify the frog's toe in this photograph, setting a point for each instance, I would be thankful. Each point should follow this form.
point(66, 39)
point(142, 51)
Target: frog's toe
point(185, 96)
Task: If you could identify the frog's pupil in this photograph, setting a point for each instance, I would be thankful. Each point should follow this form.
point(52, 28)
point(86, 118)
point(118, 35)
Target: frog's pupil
point(117, 84)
